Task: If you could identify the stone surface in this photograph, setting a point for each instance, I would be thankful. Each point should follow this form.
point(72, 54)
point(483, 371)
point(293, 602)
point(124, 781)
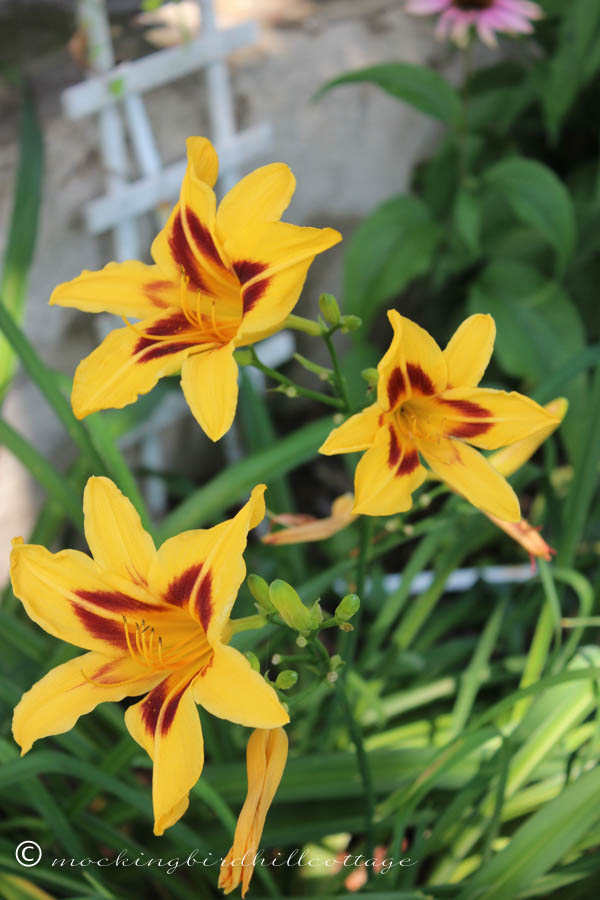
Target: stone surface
point(349, 152)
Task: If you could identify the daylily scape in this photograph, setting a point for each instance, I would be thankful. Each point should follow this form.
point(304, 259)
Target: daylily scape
point(222, 278)
point(153, 622)
point(428, 405)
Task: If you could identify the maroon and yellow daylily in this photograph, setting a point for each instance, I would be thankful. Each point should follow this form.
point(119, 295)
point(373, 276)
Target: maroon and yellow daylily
point(429, 407)
point(222, 278)
point(153, 622)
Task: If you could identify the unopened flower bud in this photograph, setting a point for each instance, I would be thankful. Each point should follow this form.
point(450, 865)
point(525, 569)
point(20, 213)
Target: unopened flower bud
point(290, 392)
point(301, 641)
point(290, 607)
point(347, 607)
point(336, 662)
point(346, 626)
point(259, 589)
point(332, 677)
point(286, 680)
point(371, 376)
point(253, 660)
point(329, 309)
point(276, 659)
point(350, 323)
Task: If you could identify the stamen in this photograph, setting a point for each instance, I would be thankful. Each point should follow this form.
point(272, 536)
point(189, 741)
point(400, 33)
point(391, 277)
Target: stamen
point(129, 646)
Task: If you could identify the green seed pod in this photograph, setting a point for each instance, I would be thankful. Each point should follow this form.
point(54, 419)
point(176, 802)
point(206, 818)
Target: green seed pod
point(286, 680)
point(290, 607)
point(347, 608)
point(259, 589)
point(329, 309)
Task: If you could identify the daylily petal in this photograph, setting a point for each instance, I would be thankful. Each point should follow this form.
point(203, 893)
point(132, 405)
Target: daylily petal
point(232, 690)
point(469, 351)
point(271, 267)
point(209, 382)
point(490, 419)
point(114, 531)
point(54, 703)
point(203, 162)
point(201, 571)
point(470, 474)
point(71, 597)
point(387, 475)
point(125, 289)
point(511, 458)
point(300, 529)
point(357, 433)
point(413, 366)
point(266, 756)
point(527, 536)
point(130, 361)
point(260, 197)
point(166, 724)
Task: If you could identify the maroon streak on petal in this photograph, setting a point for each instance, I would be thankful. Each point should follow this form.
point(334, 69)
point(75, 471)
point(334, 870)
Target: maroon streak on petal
point(181, 587)
point(245, 269)
point(183, 256)
point(203, 238)
point(419, 380)
point(394, 451)
point(114, 601)
point(395, 387)
point(203, 600)
point(409, 463)
point(154, 289)
point(468, 408)
point(469, 429)
point(100, 627)
point(172, 705)
point(163, 349)
point(252, 294)
point(151, 706)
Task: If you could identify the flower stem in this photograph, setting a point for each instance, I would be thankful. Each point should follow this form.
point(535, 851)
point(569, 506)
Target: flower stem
point(340, 381)
point(300, 391)
point(247, 623)
point(299, 323)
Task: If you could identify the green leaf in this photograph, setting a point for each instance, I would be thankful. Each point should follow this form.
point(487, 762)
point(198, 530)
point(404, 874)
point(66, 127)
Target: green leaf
point(237, 480)
point(395, 244)
point(539, 199)
point(540, 843)
point(419, 86)
point(538, 328)
point(467, 218)
point(22, 234)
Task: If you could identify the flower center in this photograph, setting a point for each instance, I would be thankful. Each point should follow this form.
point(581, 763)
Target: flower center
point(414, 421)
point(472, 5)
point(147, 648)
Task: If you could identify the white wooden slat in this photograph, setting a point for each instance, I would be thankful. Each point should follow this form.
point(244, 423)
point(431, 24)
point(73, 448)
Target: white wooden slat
point(140, 196)
point(154, 70)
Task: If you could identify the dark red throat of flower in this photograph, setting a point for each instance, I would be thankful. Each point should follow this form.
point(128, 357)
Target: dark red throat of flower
point(473, 5)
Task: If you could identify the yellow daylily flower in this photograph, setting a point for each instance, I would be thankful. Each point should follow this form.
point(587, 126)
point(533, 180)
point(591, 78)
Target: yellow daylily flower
point(222, 278)
point(153, 622)
point(429, 406)
point(300, 529)
point(266, 756)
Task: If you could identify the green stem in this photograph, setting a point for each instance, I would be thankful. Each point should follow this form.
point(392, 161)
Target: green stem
point(340, 381)
point(247, 623)
point(299, 323)
point(365, 773)
point(287, 382)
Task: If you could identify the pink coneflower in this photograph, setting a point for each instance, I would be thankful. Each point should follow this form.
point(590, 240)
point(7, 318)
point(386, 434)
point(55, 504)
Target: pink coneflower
point(487, 16)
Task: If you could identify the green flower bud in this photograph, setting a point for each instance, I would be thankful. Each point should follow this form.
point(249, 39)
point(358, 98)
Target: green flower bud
point(350, 323)
point(347, 607)
point(286, 680)
point(259, 589)
point(290, 607)
point(336, 662)
point(371, 376)
point(329, 309)
point(253, 660)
